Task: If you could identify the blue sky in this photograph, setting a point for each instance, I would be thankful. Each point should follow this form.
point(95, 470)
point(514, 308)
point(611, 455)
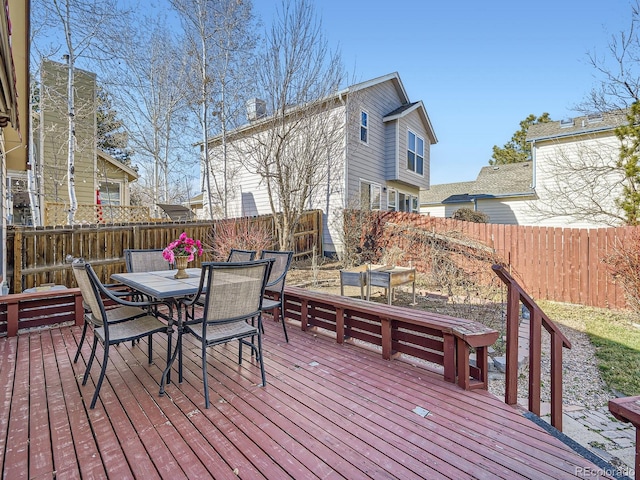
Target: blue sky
point(479, 67)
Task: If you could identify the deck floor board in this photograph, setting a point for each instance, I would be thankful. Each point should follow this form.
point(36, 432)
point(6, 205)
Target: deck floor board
point(328, 411)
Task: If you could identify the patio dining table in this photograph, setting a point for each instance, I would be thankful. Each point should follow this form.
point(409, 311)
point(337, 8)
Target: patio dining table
point(162, 285)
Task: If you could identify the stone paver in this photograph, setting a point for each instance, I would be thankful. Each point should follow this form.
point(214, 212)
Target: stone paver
point(598, 431)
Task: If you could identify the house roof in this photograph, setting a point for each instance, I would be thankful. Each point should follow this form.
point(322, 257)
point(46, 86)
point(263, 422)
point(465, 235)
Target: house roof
point(499, 181)
point(583, 125)
point(394, 77)
point(406, 107)
point(133, 174)
point(196, 201)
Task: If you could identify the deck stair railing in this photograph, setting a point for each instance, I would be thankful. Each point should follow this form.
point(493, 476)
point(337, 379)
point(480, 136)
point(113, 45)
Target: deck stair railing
point(538, 319)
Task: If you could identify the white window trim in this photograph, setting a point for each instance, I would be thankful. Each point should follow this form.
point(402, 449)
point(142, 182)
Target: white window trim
point(373, 187)
point(392, 193)
point(366, 127)
point(121, 187)
point(415, 163)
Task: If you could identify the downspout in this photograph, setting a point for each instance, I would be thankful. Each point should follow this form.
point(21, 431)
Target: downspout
point(533, 163)
point(345, 167)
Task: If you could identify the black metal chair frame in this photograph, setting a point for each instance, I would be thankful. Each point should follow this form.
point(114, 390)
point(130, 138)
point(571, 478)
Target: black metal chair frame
point(211, 332)
point(108, 333)
point(275, 285)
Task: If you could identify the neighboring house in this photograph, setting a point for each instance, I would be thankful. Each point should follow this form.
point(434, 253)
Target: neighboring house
point(195, 205)
point(14, 104)
point(502, 192)
point(384, 162)
point(574, 176)
point(41, 196)
point(569, 182)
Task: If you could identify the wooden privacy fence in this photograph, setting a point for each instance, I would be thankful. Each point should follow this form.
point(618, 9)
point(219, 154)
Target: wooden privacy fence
point(551, 263)
point(37, 256)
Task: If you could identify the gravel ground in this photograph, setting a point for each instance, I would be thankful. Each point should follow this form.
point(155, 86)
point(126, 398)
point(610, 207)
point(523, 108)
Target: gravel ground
point(582, 384)
point(581, 381)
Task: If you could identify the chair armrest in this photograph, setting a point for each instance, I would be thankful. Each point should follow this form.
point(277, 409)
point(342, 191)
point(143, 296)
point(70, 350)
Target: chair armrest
point(119, 299)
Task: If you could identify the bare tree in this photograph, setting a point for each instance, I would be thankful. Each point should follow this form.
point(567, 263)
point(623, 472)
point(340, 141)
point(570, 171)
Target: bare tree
point(303, 135)
point(618, 70)
point(577, 181)
point(618, 92)
point(85, 23)
point(219, 40)
point(148, 80)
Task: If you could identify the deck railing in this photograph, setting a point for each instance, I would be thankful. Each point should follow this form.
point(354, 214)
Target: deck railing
point(538, 319)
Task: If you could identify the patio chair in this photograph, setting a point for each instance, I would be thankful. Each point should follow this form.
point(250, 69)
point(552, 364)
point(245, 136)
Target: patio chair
point(275, 285)
point(115, 314)
point(233, 295)
point(145, 260)
point(236, 255)
point(112, 333)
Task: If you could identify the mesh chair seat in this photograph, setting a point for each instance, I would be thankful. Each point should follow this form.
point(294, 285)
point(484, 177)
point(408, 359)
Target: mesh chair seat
point(216, 334)
point(114, 315)
point(132, 329)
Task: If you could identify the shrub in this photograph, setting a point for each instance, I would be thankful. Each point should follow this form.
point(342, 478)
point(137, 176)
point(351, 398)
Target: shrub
point(469, 215)
point(623, 264)
point(243, 234)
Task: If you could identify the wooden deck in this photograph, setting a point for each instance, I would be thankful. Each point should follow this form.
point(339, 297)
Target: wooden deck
point(328, 411)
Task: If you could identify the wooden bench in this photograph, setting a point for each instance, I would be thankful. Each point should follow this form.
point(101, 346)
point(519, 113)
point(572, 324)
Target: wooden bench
point(440, 339)
point(627, 409)
point(22, 311)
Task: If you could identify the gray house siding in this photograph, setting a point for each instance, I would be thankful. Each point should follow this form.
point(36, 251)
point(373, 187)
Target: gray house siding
point(368, 161)
point(391, 151)
point(411, 122)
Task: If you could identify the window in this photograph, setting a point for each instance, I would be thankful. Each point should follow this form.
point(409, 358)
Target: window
point(364, 127)
point(415, 153)
point(370, 194)
point(408, 203)
point(392, 200)
point(110, 193)
point(415, 207)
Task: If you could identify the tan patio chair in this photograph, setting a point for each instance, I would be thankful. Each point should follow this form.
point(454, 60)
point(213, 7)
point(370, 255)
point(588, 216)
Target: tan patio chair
point(236, 255)
point(115, 314)
point(145, 260)
point(275, 285)
point(108, 333)
point(233, 295)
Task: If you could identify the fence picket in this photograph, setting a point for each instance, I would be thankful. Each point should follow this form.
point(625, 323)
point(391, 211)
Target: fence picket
point(553, 263)
point(38, 255)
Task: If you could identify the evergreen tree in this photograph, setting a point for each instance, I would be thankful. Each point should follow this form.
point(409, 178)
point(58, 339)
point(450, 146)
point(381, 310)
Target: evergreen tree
point(112, 136)
point(517, 149)
point(629, 163)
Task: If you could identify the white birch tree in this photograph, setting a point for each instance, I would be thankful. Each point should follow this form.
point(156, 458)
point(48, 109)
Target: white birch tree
point(86, 25)
point(219, 37)
point(148, 80)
